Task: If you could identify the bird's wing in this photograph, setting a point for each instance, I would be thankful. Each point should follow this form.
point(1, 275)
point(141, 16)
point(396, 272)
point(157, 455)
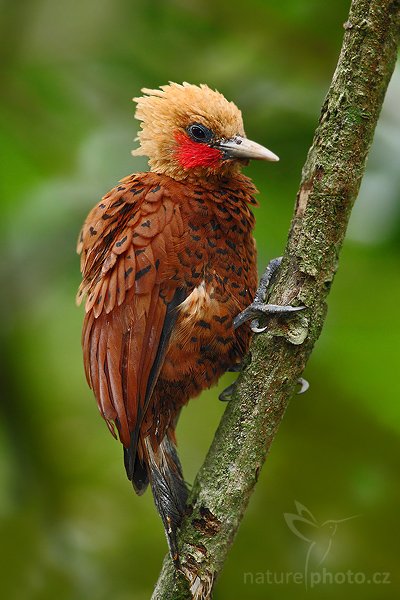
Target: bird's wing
point(132, 294)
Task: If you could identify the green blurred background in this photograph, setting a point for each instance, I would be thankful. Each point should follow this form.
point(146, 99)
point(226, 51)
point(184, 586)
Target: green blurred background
point(71, 527)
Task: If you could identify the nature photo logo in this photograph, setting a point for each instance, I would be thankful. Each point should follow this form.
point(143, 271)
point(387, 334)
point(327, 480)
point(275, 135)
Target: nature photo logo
point(319, 538)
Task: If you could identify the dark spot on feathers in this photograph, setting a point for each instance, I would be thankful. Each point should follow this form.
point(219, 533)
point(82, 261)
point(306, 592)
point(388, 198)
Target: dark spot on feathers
point(157, 263)
point(221, 251)
point(194, 339)
point(92, 231)
point(109, 238)
point(196, 238)
point(199, 254)
point(99, 299)
point(193, 227)
point(230, 244)
point(146, 223)
point(117, 202)
point(142, 272)
point(101, 205)
point(119, 244)
point(198, 192)
point(135, 191)
point(126, 208)
point(139, 251)
point(220, 319)
point(205, 348)
point(203, 324)
point(120, 188)
point(154, 190)
point(211, 243)
point(243, 293)
point(106, 216)
point(214, 225)
point(224, 341)
point(128, 272)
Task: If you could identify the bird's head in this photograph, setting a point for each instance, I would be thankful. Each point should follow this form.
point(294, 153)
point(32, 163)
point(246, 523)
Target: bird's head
point(190, 131)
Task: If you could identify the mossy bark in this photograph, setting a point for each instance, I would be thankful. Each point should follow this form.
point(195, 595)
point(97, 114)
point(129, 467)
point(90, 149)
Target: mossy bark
point(330, 182)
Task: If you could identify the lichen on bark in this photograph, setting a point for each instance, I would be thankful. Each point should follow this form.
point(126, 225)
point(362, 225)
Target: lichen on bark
point(330, 182)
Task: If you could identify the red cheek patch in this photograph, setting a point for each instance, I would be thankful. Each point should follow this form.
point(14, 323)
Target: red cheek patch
point(192, 154)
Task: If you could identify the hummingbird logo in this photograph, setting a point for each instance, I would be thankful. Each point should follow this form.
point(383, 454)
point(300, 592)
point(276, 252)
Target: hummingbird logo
point(318, 535)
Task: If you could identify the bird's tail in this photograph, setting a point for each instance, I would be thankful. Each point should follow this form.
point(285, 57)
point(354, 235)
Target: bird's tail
point(168, 486)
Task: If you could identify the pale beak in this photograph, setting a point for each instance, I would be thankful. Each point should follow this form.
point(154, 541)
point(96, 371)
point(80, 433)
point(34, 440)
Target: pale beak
point(242, 148)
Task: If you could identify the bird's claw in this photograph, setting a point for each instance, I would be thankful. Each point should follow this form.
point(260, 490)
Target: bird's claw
point(226, 394)
point(268, 309)
point(304, 385)
point(257, 309)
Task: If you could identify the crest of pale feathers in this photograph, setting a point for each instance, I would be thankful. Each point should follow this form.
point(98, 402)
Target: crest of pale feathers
point(171, 109)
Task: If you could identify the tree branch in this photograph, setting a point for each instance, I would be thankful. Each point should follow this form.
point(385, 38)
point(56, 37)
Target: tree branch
point(330, 182)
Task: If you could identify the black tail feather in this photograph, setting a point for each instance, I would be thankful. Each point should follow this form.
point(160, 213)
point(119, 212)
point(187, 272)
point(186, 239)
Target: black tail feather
point(136, 471)
point(169, 489)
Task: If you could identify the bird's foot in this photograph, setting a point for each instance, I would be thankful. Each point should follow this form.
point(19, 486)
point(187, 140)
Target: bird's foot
point(256, 310)
point(259, 308)
point(227, 393)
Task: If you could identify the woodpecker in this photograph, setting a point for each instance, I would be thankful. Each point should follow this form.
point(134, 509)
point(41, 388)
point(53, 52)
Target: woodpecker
point(168, 261)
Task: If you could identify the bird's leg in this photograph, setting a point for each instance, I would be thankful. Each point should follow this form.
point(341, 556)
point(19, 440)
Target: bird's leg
point(259, 307)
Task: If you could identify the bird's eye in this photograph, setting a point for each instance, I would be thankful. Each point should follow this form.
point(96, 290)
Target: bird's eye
point(200, 133)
